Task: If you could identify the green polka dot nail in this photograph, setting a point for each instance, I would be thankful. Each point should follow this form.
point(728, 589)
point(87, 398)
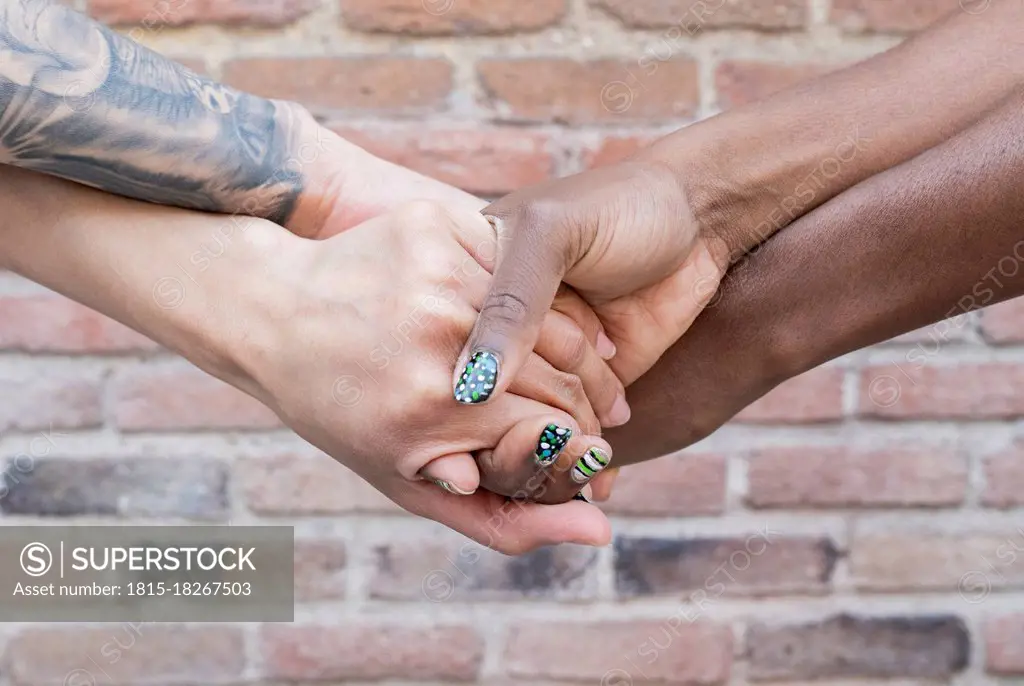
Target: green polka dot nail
point(592, 462)
point(476, 383)
point(553, 440)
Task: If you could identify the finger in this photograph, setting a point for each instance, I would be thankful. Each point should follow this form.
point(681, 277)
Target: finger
point(508, 526)
point(531, 262)
point(523, 465)
point(539, 381)
point(458, 473)
point(568, 302)
point(565, 346)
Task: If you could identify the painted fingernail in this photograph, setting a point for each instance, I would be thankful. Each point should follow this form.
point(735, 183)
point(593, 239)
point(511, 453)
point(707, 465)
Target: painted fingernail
point(580, 496)
point(552, 441)
point(605, 348)
point(451, 488)
point(593, 461)
point(478, 378)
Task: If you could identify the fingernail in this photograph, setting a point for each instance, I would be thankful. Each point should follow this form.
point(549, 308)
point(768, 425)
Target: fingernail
point(451, 488)
point(553, 440)
point(477, 381)
point(605, 348)
point(593, 461)
point(580, 496)
point(619, 413)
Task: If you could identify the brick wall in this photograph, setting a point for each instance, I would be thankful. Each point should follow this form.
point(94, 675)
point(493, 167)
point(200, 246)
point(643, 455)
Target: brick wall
point(861, 523)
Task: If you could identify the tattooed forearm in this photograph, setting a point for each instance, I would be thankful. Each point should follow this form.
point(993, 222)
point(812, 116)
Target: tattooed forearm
point(80, 101)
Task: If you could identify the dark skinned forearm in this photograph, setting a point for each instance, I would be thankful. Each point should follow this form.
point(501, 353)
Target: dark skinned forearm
point(751, 171)
point(83, 102)
point(911, 246)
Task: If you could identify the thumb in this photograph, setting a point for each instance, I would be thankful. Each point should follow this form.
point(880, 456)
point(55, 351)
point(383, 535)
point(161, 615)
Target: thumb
point(532, 259)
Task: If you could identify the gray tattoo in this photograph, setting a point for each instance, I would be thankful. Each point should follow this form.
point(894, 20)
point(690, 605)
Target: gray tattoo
point(80, 101)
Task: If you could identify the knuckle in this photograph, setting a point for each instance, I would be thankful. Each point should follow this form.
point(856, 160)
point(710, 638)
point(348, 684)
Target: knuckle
point(574, 349)
point(505, 307)
point(416, 213)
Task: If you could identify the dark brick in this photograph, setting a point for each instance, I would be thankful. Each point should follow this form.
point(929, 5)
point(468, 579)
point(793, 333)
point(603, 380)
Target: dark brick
point(754, 564)
point(408, 571)
point(130, 487)
point(927, 647)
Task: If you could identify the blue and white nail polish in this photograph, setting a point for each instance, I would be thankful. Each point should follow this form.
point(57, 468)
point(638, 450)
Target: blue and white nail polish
point(477, 381)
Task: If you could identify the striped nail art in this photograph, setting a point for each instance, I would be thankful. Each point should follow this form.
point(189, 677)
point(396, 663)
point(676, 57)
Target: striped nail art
point(580, 496)
point(477, 381)
point(591, 463)
point(553, 440)
point(449, 487)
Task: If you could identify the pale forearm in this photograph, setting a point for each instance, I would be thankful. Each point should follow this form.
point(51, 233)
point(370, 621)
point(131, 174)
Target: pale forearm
point(161, 271)
point(753, 170)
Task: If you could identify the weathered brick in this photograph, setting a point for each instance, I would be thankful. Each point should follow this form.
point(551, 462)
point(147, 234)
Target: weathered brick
point(1004, 323)
point(614, 149)
point(973, 565)
point(153, 15)
point(671, 652)
point(184, 399)
point(56, 400)
point(679, 485)
point(761, 563)
point(366, 652)
point(364, 84)
point(739, 82)
point(1004, 479)
point(465, 571)
point(451, 17)
point(126, 654)
point(320, 569)
point(488, 163)
point(292, 484)
point(54, 324)
point(691, 18)
point(845, 646)
point(1004, 645)
point(884, 16)
point(846, 477)
point(561, 90)
point(815, 396)
point(128, 487)
point(921, 391)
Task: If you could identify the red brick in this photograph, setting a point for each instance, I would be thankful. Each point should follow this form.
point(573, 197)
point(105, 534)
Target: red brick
point(693, 17)
point(150, 14)
point(916, 391)
point(816, 396)
point(572, 92)
point(686, 653)
point(1004, 323)
point(763, 563)
point(678, 485)
point(54, 324)
point(614, 149)
point(886, 16)
point(320, 569)
point(740, 82)
point(463, 571)
point(843, 477)
point(50, 400)
point(488, 162)
point(127, 653)
point(292, 484)
point(184, 399)
point(930, 647)
point(972, 565)
point(367, 84)
point(451, 17)
point(361, 652)
point(1004, 479)
point(1004, 645)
